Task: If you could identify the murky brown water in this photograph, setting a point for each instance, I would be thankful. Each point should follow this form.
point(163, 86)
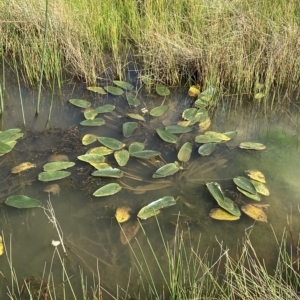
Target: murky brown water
point(90, 230)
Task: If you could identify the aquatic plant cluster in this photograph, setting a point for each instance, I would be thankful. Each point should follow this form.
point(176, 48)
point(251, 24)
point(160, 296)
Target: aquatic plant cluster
point(237, 45)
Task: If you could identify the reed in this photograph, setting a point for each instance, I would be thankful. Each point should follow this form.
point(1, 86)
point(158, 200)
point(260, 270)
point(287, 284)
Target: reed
point(231, 44)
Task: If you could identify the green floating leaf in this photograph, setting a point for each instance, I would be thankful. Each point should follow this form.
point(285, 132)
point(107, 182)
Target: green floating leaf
point(255, 197)
point(5, 148)
point(136, 147)
point(58, 165)
point(116, 91)
point(230, 134)
point(129, 128)
point(89, 139)
point(90, 114)
point(96, 89)
point(201, 116)
point(133, 100)
point(211, 137)
point(167, 136)
point(54, 175)
point(91, 158)
point(152, 208)
point(146, 154)
point(245, 184)
point(159, 110)
point(261, 188)
point(100, 150)
point(105, 108)
point(122, 157)
point(162, 90)
point(252, 146)
point(95, 122)
point(185, 152)
point(207, 94)
point(178, 129)
point(136, 116)
point(10, 135)
point(21, 201)
point(111, 143)
point(109, 172)
point(189, 113)
point(80, 103)
point(259, 96)
point(123, 84)
point(166, 170)
point(207, 149)
point(107, 190)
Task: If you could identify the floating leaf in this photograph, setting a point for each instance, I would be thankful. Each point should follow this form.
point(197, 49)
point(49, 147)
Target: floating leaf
point(245, 184)
point(100, 150)
point(133, 100)
point(96, 89)
point(116, 91)
point(109, 172)
point(95, 122)
point(162, 90)
point(205, 125)
point(183, 123)
point(167, 136)
point(129, 128)
point(255, 213)
point(230, 206)
point(5, 148)
point(91, 158)
point(80, 103)
point(256, 175)
point(128, 232)
point(207, 94)
point(10, 135)
point(136, 116)
point(22, 167)
point(52, 188)
point(21, 201)
point(259, 96)
point(107, 190)
point(58, 165)
point(58, 157)
point(189, 113)
point(199, 103)
point(216, 191)
point(90, 114)
point(147, 211)
point(122, 157)
point(230, 134)
point(221, 214)
point(178, 129)
point(201, 116)
point(159, 110)
point(252, 146)
point(123, 84)
point(105, 108)
point(136, 147)
point(166, 170)
point(207, 149)
point(146, 154)
point(123, 214)
point(185, 152)
point(194, 90)
point(249, 195)
point(111, 143)
point(100, 165)
point(54, 175)
point(261, 188)
point(89, 139)
point(211, 137)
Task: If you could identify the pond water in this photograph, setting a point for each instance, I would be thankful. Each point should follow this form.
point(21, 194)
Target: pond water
point(90, 230)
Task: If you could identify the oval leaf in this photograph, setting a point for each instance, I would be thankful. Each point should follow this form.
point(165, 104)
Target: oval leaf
point(249, 195)
point(254, 212)
point(123, 84)
point(21, 201)
point(116, 91)
point(107, 190)
point(178, 129)
point(58, 165)
point(211, 137)
point(91, 158)
point(10, 135)
point(252, 146)
point(96, 89)
point(146, 154)
point(95, 122)
point(256, 175)
point(136, 147)
point(111, 143)
point(105, 108)
point(22, 167)
point(100, 150)
point(55, 175)
point(90, 114)
point(129, 128)
point(166, 170)
point(167, 136)
point(89, 139)
point(122, 157)
point(162, 90)
point(216, 191)
point(207, 149)
point(159, 110)
point(189, 113)
point(261, 188)
point(133, 100)
point(5, 148)
point(136, 117)
point(245, 184)
point(221, 214)
point(80, 103)
point(109, 172)
point(185, 152)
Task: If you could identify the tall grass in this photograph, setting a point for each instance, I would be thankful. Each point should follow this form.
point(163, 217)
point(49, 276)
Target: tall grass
point(231, 43)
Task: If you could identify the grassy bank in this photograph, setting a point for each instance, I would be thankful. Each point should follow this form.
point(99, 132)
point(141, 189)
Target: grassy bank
point(234, 44)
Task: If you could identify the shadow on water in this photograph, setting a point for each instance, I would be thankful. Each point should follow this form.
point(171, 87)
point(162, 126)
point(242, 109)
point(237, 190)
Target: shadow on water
point(91, 232)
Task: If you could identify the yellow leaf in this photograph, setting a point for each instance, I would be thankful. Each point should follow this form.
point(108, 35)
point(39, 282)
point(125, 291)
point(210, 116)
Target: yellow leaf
point(221, 214)
point(256, 175)
point(255, 212)
point(1, 246)
point(194, 90)
point(122, 214)
point(22, 167)
point(204, 125)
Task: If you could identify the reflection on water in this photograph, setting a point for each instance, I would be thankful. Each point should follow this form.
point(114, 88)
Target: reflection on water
point(91, 232)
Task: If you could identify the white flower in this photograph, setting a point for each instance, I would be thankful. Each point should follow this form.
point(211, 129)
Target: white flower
point(55, 243)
